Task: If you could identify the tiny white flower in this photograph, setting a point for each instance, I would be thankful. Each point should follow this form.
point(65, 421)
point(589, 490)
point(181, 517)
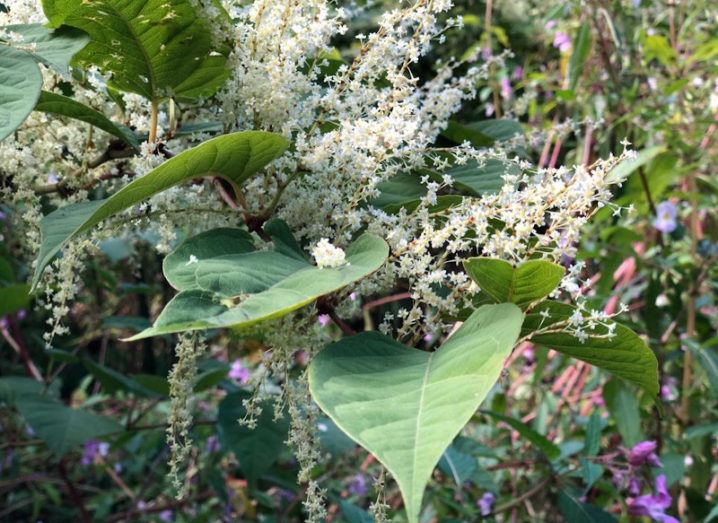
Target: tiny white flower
point(662, 300)
point(327, 255)
point(192, 259)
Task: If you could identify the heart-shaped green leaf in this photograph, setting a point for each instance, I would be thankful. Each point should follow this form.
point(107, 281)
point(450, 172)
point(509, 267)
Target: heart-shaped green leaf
point(62, 427)
point(155, 48)
point(54, 103)
point(234, 157)
point(528, 283)
point(405, 406)
point(623, 354)
point(224, 282)
point(256, 448)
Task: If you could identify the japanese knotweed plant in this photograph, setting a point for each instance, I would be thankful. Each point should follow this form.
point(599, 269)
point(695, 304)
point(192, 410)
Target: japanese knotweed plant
point(307, 180)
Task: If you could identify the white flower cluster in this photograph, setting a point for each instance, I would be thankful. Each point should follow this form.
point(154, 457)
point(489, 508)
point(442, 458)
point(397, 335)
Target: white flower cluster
point(355, 124)
point(327, 255)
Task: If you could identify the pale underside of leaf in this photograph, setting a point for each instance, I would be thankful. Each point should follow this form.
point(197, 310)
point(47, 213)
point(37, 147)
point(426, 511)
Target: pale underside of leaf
point(20, 85)
point(290, 285)
point(405, 406)
point(234, 157)
point(54, 48)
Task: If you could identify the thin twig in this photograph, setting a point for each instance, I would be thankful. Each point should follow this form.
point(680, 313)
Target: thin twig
point(526, 495)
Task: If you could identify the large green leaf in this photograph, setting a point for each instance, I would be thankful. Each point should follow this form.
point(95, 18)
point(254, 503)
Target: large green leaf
point(471, 179)
point(622, 403)
point(63, 106)
point(54, 48)
point(112, 381)
point(20, 77)
point(256, 448)
point(574, 511)
point(20, 85)
point(155, 48)
point(13, 298)
point(234, 157)
point(624, 354)
point(477, 180)
point(399, 191)
point(224, 282)
point(405, 406)
point(528, 283)
point(484, 132)
point(623, 170)
point(62, 427)
point(461, 466)
point(14, 387)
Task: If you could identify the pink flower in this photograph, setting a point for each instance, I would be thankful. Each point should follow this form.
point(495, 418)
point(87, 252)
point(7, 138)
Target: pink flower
point(238, 372)
point(562, 42)
point(506, 90)
point(324, 319)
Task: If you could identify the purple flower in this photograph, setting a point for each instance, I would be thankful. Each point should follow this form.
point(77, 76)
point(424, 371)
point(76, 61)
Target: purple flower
point(93, 448)
point(634, 486)
point(212, 444)
point(506, 90)
point(618, 479)
point(518, 73)
point(238, 372)
point(286, 495)
point(653, 506)
point(357, 485)
point(2, 215)
point(52, 179)
point(562, 41)
point(644, 452)
point(485, 53)
point(668, 389)
point(550, 25)
point(324, 320)
point(486, 503)
point(666, 214)
point(166, 515)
